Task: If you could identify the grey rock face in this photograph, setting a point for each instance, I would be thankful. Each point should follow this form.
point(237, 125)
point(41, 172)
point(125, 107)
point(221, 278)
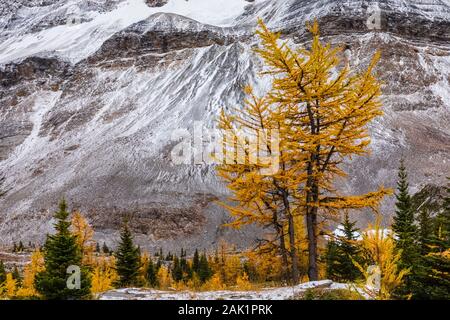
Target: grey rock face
point(98, 131)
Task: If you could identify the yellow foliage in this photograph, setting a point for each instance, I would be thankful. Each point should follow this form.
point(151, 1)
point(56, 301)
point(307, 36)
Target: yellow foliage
point(267, 266)
point(164, 278)
point(84, 234)
point(103, 274)
point(194, 283)
point(214, 284)
point(379, 250)
point(145, 259)
point(232, 269)
point(243, 283)
point(180, 286)
point(9, 287)
point(35, 266)
point(320, 109)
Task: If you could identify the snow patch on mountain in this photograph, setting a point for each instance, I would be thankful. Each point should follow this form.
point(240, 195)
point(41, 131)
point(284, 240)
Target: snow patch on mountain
point(77, 40)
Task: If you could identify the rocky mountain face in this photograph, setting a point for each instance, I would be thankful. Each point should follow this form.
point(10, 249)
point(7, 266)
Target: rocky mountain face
point(91, 92)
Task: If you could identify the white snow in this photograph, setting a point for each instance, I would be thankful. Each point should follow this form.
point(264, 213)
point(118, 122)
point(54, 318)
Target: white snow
point(215, 12)
point(282, 293)
point(75, 42)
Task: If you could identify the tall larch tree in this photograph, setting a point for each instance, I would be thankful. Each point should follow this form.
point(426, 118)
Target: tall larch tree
point(61, 251)
point(128, 261)
point(84, 233)
point(263, 196)
point(322, 120)
point(327, 115)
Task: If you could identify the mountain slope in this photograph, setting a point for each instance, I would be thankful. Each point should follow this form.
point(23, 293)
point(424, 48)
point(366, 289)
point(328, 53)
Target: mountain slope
point(87, 110)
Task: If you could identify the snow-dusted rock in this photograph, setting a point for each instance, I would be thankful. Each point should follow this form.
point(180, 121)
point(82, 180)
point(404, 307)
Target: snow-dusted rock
point(282, 293)
point(87, 109)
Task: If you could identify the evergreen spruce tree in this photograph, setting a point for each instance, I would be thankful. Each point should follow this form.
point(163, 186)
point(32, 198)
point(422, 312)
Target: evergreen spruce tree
point(152, 272)
point(61, 252)
point(331, 259)
point(169, 257)
point(196, 262)
point(204, 270)
point(185, 267)
point(17, 276)
point(2, 273)
point(425, 231)
point(128, 260)
point(342, 253)
point(159, 263)
point(20, 248)
point(436, 280)
point(177, 271)
point(105, 249)
point(406, 233)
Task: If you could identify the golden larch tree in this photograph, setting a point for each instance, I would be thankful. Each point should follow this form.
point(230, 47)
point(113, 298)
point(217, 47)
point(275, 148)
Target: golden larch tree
point(35, 266)
point(326, 108)
point(381, 258)
point(321, 109)
point(84, 233)
point(103, 274)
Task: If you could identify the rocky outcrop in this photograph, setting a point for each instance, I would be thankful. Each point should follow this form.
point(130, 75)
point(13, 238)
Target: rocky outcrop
point(160, 34)
point(19, 82)
point(282, 293)
point(156, 3)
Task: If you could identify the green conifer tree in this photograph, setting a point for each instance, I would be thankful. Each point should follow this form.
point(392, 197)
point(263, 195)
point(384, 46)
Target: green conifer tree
point(406, 234)
point(425, 222)
point(105, 249)
point(177, 271)
point(331, 258)
point(17, 276)
point(185, 268)
point(204, 270)
point(152, 272)
point(196, 262)
point(128, 260)
point(436, 280)
point(342, 253)
point(61, 255)
point(2, 273)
